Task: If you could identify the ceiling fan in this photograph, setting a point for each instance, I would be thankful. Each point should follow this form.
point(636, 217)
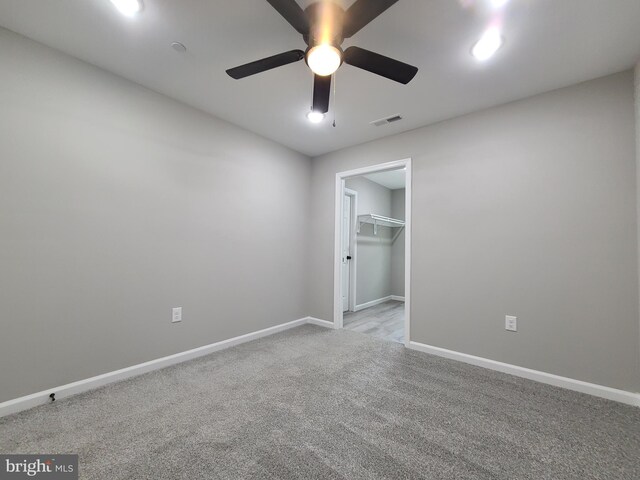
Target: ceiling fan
point(324, 25)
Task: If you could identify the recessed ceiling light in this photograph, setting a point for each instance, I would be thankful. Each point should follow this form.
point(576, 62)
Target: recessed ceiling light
point(489, 43)
point(315, 117)
point(128, 7)
point(499, 3)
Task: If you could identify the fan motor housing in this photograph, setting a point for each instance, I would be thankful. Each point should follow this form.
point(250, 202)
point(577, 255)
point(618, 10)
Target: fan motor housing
point(326, 21)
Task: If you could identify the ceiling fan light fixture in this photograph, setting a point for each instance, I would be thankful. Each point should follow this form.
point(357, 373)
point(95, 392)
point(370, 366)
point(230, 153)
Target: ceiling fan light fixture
point(324, 59)
point(128, 7)
point(324, 25)
point(315, 117)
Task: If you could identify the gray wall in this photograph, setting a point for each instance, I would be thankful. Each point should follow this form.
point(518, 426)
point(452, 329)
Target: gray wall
point(373, 265)
point(117, 204)
point(533, 214)
point(397, 247)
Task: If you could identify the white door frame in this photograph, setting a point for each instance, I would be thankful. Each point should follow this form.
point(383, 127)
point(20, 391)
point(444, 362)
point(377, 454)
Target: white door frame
point(353, 242)
point(337, 255)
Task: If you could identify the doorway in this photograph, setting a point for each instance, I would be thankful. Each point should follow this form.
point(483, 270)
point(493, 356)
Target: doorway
point(372, 250)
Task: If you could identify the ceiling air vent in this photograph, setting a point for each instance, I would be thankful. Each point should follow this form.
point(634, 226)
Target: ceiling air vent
point(386, 120)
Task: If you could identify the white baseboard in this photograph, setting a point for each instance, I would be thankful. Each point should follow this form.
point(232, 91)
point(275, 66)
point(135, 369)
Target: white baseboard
point(371, 303)
point(41, 398)
point(397, 298)
point(609, 393)
point(320, 323)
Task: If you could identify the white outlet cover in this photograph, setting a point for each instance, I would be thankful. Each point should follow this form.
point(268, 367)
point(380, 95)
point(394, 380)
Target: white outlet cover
point(177, 315)
point(511, 323)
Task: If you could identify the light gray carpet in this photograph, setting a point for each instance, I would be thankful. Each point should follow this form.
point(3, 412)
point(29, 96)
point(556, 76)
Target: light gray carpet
point(315, 403)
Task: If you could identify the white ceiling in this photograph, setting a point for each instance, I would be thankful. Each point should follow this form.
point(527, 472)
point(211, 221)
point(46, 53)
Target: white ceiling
point(392, 179)
point(549, 44)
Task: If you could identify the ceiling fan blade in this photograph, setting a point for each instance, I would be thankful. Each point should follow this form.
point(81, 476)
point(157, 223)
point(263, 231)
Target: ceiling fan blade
point(293, 14)
point(321, 93)
point(265, 64)
point(380, 65)
point(362, 13)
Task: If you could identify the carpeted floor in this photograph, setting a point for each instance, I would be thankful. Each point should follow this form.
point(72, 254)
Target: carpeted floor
point(315, 403)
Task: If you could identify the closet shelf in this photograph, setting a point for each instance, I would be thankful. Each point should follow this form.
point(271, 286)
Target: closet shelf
point(379, 221)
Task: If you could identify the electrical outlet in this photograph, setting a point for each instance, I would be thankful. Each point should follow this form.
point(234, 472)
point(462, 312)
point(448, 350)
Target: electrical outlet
point(511, 323)
point(177, 315)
